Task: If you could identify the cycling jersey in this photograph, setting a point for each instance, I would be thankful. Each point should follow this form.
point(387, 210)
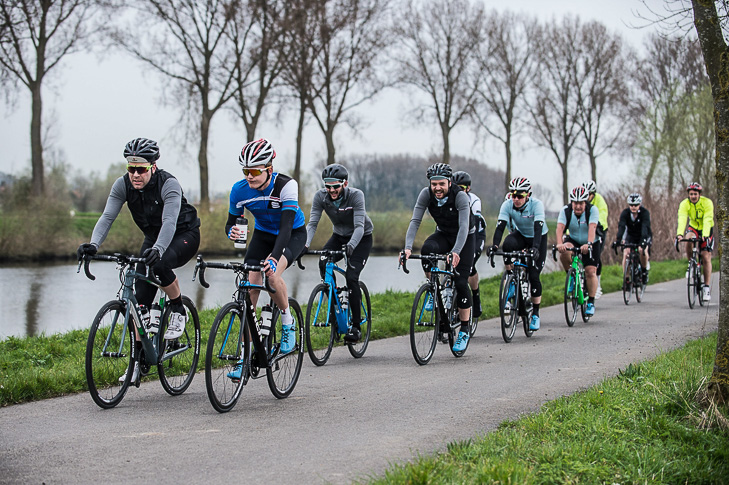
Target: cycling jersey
point(267, 205)
point(599, 202)
point(522, 220)
point(638, 227)
point(452, 215)
point(700, 216)
point(347, 214)
point(578, 226)
point(476, 211)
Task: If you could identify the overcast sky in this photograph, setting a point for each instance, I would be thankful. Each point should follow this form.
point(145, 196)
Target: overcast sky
point(96, 104)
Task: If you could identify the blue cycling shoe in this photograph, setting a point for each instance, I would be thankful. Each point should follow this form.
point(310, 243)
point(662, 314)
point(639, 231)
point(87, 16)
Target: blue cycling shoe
point(534, 324)
point(288, 337)
point(428, 305)
point(590, 309)
point(510, 293)
point(237, 371)
point(461, 342)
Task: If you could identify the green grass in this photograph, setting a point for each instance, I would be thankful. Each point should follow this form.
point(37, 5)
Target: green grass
point(642, 426)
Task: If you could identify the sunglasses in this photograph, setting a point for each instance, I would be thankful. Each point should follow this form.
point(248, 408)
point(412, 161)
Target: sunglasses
point(138, 169)
point(634, 205)
point(463, 186)
point(332, 186)
point(518, 196)
point(253, 171)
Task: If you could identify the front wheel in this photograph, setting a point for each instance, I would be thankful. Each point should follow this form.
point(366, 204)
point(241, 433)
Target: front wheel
point(507, 306)
point(700, 286)
point(628, 281)
point(357, 349)
point(570, 297)
point(692, 284)
point(109, 355)
point(640, 286)
point(284, 369)
point(583, 309)
point(527, 310)
point(227, 357)
point(178, 363)
point(320, 325)
point(424, 325)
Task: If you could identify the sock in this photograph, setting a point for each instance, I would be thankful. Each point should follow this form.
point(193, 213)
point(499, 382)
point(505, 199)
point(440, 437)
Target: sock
point(535, 308)
point(286, 317)
point(464, 326)
point(176, 304)
point(591, 299)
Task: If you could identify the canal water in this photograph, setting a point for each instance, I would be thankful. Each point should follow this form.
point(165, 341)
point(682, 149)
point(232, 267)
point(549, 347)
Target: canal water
point(52, 298)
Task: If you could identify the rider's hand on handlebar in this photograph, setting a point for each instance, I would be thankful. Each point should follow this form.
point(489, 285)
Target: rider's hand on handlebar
point(585, 248)
point(614, 244)
point(84, 249)
point(349, 250)
point(454, 258)
point(269, 267)
point(151, 257)
point(534, 252)
point(406, 253)
point(561, 248)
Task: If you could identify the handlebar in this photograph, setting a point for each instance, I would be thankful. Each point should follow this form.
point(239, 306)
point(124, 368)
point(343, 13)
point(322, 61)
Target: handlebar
point(522, 254)
point(572, 249)
point(402, 261)
point(118, 258)
point(686, 240)
point(201, 265)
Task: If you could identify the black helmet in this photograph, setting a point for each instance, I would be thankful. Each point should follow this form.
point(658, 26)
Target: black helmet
point(461, 178)
point(334, 171)
point(142, 148)
point(442, 170)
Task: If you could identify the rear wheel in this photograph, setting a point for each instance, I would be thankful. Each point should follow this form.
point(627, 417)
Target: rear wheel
point(284, 370)
point(692, 284)
point(228, 346)
point(570, 297)
point(109, 355)
point(424, 325)
point(178, 363)
point(507, 295)
point(357, 349)
point(320, 327)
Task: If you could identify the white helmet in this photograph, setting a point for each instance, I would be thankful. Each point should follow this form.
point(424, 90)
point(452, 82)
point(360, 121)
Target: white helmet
point(590, 186)
point(520, 184)
point(579, 194)
point(257, 154)
point(635, 199)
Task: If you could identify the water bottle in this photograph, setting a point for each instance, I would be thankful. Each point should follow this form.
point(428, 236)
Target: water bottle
point(242, 224)
point(155, 312)
point(344, 297)
point(144, 313)
point(447, 297)
point(340, 311)
point(524, 289)
point(266, 319)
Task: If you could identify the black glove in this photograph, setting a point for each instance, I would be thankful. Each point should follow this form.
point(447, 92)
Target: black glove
point(643, 243)
point(614, 244)
point(492, 249)
point(535, 253)
point(84, 249)
point(151, 257)
point(349, 250)
point(676, 242)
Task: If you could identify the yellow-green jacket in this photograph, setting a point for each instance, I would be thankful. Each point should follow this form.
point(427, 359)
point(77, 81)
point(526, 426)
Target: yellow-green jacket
point(700, 216)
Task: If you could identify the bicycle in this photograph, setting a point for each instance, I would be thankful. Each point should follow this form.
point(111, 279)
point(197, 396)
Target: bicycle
point(328, 315)
point(514, 290)
point(434, 316)
point(695, 282)
point(632, 273)
point(238, 338)
point(575, 287)
point(110, 349)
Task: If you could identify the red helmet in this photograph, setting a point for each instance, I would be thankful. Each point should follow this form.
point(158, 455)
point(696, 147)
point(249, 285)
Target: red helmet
point(694, 186)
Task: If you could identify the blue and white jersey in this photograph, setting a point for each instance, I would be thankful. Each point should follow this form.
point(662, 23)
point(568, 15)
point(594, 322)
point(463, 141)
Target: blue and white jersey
point(523, 220)
point(267, 205)
point(578, 226)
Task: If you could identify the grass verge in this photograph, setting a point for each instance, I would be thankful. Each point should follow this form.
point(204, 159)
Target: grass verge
point(44, 366)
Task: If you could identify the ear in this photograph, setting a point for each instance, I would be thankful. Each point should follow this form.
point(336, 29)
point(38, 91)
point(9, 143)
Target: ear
point(346, 183)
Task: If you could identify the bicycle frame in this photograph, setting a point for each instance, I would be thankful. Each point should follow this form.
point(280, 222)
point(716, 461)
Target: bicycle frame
point(435, 280)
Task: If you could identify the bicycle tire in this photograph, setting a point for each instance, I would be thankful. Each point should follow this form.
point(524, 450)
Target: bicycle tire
point(229, 343)
point(283, 371)
point(474, 324)
point(628, 274)
point(423, 342)
point(700, 286)
point(176, 374)
point(109, 335)
point(319, 331)
point(692, 285)
point(357, 349)
point(570, 297)
point(527, 316)
point(508, 321)
point(640, 287)
point(583, 309)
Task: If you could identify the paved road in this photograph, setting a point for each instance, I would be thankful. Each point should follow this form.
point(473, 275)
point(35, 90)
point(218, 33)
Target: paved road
point(346, 420)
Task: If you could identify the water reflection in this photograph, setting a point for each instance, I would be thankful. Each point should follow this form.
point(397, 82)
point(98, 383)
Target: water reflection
point(31, 309)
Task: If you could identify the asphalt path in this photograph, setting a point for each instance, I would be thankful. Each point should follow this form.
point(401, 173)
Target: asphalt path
point(349, 419)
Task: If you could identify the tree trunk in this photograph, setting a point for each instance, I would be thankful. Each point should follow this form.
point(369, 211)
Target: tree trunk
point(202, 160)
point(565, 188)
point(593, 165)
point(36, 143)
point(329, 135)
point(446, 142)
point(299, 140)
point(507, 147)
point(706, 21)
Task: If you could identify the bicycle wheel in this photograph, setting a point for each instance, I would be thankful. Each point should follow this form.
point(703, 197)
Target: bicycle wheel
point(283, 371)
point(109, 355)
point(583, 281)
point(526, 317)
point(357, 349)
point(178, 363)
point(628, 280)
point(507, 294)
point(424, 325)
point(700, 286)
point(570, 297)
point(228, 344)
point(319, 331)
point(692, 284)
point(640, 286)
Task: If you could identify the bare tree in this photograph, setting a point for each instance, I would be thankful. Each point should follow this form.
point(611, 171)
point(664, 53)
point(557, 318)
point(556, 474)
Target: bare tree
point(34, 37)
point(600, 78)
point(188, 42)
point(509, 62)
point(554, 105)
point(698, 141)
point(353, 37)
point(440, 42)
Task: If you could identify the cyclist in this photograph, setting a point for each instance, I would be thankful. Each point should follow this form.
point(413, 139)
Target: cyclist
point(598, 201)
point(698, 212)
point(279, 233)
point(581, 219)
point(525, 217)
point(352, 227)
point(637, 220)
point(450, 207)
point(170, 225)
point(463, 180)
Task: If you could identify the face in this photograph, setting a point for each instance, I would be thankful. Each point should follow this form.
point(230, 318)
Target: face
point(140, 173)
point(439, 187)
point(694, 196)
point(634, 208)
point(335, 189)
point(519, 198)
point(578, 207)
point(257, 177)
point(590, 196)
